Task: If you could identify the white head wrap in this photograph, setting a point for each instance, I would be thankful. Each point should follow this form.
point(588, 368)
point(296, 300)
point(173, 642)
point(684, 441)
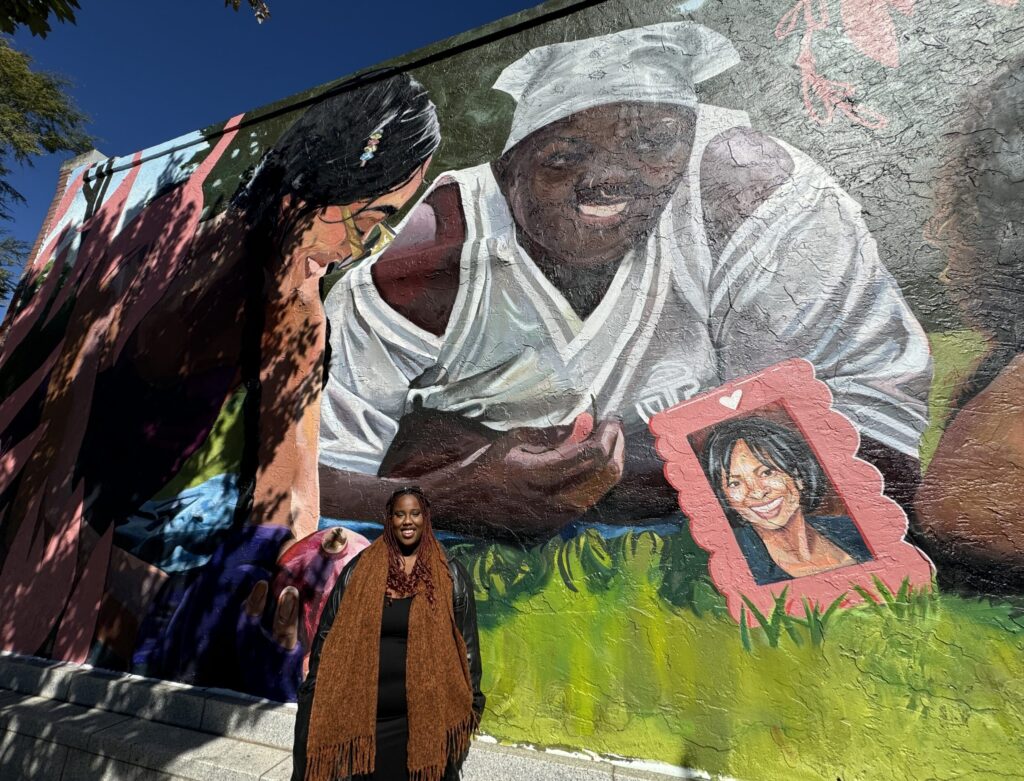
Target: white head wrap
point(659, 63)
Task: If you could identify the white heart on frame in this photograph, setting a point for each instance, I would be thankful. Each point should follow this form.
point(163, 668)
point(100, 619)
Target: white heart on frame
point(732, 401)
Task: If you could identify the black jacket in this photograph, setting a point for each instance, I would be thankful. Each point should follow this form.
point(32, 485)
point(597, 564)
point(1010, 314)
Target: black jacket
point(465, 619)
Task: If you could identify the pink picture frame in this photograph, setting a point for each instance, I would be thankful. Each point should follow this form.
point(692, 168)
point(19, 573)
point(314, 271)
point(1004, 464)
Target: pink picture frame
point(788, 392)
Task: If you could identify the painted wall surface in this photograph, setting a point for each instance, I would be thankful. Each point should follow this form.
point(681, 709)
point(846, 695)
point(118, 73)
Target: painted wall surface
point(702, 333)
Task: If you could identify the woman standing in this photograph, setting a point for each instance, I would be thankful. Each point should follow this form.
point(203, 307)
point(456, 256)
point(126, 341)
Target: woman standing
point(399, 676)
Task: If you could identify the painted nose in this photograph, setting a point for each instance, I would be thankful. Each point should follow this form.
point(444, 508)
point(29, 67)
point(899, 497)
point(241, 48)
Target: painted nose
point(759, 490)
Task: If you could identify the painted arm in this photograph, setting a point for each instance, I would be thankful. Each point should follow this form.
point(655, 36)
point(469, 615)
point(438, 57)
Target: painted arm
point(806, 281)
point(970, 505)
point(523, 482)
point(291, 365)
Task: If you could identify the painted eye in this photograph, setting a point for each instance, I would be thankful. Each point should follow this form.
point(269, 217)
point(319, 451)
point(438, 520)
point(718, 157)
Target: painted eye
point(656, 142)
point(556, 161)
point(562, 159)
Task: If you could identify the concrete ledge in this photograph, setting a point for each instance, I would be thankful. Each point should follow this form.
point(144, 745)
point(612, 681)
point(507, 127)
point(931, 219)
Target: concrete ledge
point(248, 718)
point(66, 722)
point(210, 711)
point(36, 677)
point(145, 698)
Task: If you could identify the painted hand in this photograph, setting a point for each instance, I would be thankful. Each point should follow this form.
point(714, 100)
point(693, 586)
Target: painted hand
point(534, 481)
point(271, 659)
point(285, 625)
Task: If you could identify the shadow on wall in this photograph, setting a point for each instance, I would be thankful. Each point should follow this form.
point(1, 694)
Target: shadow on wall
point(162, 373)
point(133, 353)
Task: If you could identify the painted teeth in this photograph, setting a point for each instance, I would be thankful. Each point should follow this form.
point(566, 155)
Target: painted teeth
point(770, 507)
point(602, 210)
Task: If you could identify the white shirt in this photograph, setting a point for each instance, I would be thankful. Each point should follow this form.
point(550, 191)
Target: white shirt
point(801, 277)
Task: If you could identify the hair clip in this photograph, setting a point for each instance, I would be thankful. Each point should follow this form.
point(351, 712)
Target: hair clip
point(371, 147)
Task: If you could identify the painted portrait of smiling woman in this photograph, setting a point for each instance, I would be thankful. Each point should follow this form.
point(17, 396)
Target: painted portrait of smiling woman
point(771, 488)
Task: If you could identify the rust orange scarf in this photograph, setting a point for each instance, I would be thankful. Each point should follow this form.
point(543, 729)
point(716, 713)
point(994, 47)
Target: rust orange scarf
point(343, 722)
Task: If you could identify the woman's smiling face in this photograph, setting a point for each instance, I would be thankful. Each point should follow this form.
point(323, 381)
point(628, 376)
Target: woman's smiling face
point(339, 233)
point(407, 520)
point(762, 494)
point(588, 188)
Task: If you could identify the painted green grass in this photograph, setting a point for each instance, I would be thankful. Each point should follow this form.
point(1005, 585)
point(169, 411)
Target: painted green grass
point(623, 647)
point(585, 646)
point(955, 355)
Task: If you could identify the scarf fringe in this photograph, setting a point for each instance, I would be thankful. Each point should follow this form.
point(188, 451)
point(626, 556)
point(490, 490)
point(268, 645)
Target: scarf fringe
point(456, 744)
point(353, 757)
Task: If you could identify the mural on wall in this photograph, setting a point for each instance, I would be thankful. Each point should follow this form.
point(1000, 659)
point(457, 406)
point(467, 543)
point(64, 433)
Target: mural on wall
point(606, 263)
point(666, 327)
point(165, 321)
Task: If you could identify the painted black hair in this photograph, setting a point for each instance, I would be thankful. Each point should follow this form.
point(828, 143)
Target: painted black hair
point(774, 445)
point(319, 159)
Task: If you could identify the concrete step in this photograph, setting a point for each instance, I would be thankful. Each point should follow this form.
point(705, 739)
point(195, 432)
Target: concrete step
point(66, 722)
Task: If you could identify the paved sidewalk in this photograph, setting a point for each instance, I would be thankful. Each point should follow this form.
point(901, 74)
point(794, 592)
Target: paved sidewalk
point(65, 722)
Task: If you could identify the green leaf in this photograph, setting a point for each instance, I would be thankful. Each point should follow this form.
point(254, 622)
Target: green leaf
point(744, 630)
point(791, 629)
point(35, 14)
point(832, 609)
point(887, 595)
point(761, 620)
point(905, 590)
point(36, 117)
point(259, 8)
point(814, 625)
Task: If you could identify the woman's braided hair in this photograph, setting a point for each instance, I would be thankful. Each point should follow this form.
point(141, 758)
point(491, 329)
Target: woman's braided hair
point(399, 582)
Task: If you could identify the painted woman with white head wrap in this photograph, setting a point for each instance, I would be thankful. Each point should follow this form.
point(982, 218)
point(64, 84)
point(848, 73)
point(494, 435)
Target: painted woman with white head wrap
point(630, 248)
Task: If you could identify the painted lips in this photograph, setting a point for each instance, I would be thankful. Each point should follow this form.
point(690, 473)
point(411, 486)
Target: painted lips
point(408, 533)
point(316, 268)
point(768, 511)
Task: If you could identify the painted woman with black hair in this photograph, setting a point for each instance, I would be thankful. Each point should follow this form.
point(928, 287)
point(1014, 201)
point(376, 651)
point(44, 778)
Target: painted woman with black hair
point(169, 318)
point(393, 691)
point(770, 485)
point(315, 200)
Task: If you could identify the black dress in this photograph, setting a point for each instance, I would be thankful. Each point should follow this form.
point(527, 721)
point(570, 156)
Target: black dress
point(392, 734)
point(392, 715)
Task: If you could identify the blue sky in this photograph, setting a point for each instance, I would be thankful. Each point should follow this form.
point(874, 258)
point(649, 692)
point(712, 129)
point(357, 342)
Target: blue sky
point(145, 72)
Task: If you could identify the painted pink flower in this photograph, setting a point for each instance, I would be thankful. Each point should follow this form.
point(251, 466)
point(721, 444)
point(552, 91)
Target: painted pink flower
point(870, 26)
point(823, 97)
point(813, 14)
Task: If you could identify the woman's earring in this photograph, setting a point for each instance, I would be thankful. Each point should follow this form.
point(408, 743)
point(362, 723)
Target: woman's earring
point(355, 245)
